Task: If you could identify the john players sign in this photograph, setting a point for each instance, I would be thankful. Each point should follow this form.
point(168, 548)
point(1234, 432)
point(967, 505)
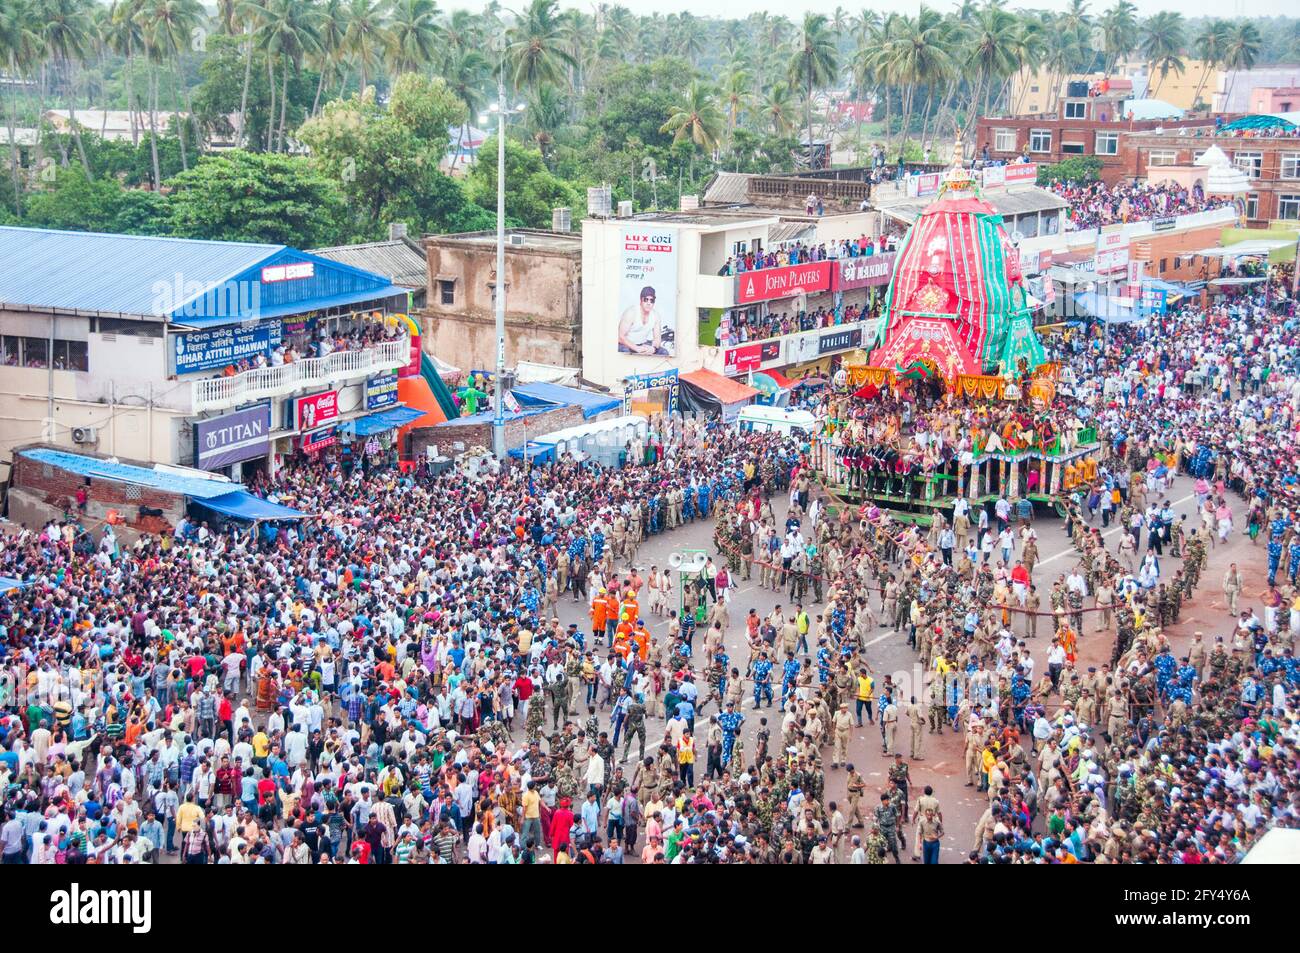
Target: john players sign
point(785, 282)
point(230, 438)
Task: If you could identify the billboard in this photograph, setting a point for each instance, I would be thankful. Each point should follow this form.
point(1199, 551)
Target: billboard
point(232, 438)
point(311, 411)
point(784, 282)
point(381, 391)
point(223, 347)
point(864, 272)
point(750, 357)
point(839, 340)
point(647, 289)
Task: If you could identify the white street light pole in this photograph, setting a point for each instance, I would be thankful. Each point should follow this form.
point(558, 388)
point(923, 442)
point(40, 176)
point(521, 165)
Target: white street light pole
point(499, 423)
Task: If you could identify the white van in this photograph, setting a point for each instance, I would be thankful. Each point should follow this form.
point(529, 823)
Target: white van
point(760, 418)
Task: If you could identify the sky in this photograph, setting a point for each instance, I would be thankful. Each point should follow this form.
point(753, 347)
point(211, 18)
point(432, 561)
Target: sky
point(796, 8)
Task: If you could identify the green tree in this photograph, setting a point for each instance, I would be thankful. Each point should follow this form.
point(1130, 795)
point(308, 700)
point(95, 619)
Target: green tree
point(1210, 44)
point(1119, 28)
point(77, 203)
point(367, 36)
point(256, 197)
point(1240, 50)
point(67, 31)
point(1162, 45)
point(815, 62)
point(414, 34)
point(532, 190)
point(537, 47)
point(21, 46)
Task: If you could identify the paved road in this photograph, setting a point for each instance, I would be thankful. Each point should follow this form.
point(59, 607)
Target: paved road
point(888, 653)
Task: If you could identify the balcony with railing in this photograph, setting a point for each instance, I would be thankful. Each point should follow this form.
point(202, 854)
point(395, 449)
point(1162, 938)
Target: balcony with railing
point(261, 383)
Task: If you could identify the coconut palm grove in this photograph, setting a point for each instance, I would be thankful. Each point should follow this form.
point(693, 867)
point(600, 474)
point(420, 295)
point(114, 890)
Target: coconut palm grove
point(579, 434)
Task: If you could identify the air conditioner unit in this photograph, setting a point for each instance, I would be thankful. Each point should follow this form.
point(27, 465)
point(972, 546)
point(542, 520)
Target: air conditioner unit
point(624, 209)
point(85, 434)
point(516, 239)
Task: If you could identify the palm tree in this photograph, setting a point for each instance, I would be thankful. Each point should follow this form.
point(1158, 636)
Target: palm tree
point(1119, 27)
point(991, 54)
point(289, 33)
point(413, 34)
point(331, 44)
point(367, 36)
point(1240, 50)
point(1210, 45)
point(815, 62)
point(737, 96)
point(466, 72)
point(21, 48)
point(698, 119)
point(546, 115)
point(915, 57)
point(537, 47)
point(779, 110)
point(68, 37)
point(168, 26)
point(1162, 44)
point(124, 37)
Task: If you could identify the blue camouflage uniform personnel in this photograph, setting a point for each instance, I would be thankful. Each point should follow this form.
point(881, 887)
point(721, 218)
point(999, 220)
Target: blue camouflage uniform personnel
point(823, 664)
point(730, 720)
point(597, 545)
point(1276, 530)
point(762, 682)
point(1165, 665)
point(789, 672)
point(1184, 679)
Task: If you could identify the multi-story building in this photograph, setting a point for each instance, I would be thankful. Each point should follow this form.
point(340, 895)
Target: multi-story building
point(543, 298)
point(1271, 162)
point(220, 355)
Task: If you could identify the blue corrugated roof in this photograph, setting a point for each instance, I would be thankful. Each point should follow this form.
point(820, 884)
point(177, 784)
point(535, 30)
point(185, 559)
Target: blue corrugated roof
point(546, 393)
point(194, 487)
point(384, 420)
point(117, 274)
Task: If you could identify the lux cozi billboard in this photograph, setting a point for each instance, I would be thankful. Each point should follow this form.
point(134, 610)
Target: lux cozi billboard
point(769, 283)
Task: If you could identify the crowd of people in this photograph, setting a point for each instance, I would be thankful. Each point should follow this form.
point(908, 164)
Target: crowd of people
point(752, 324)
point(390, 681)
point(1096, 204)
point(801, 253)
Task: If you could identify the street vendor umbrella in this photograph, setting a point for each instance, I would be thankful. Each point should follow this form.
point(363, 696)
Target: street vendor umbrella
point(867, 392)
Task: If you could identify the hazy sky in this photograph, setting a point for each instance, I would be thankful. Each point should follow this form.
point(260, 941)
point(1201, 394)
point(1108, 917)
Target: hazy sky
point(796, 8)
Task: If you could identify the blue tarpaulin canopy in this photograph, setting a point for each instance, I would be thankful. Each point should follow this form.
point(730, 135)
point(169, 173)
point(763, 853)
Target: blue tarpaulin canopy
point(542, 393)
point(1111, 310)
point(384, 420)
point(243, 505)
point(9, 584)
point(534, 451)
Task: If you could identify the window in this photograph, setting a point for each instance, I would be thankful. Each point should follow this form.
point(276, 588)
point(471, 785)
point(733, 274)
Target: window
point(1162, 265)
point(36, 352)
point(1249, 162)
point(1162, 157)
point(71, 356)
point(1291, 165)
point(446, 291)
point(1004, 140)
point(1040, 140)
point(1076, 110)
point(1288, 207)
point(10, 351)
point(1252, 205)
point(1107, 144)
point(1072, 148)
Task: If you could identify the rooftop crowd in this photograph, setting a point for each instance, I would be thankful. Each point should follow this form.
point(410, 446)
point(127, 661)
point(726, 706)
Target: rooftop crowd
point(1095, 204)
point(390, 682)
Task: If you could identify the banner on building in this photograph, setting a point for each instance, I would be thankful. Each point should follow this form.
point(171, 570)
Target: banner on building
point(751, 357)
point(839, 340)
point(223, 347)
point(638, 383)
point(381, 391)
point(232, 438)
point(647, 290)
point(319, 439)
point(784, 282)
point(308, 413)
point(864, 272)
point(919, 186)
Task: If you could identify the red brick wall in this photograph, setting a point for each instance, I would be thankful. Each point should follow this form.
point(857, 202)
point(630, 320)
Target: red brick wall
point(480, 434)
point(58, 488)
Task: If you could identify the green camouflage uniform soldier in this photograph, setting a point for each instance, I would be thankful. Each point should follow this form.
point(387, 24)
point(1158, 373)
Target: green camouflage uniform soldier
point(875, 846)
point(886, 816)
point(634, 724)
point(816, 570)
point(536, 717)
point(938, 706)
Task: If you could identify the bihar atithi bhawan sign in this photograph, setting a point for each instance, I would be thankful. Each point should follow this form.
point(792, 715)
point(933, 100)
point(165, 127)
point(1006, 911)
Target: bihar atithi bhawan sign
point(223, 347)
point(864, 272)
point(784, 282)
point(231, 438)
